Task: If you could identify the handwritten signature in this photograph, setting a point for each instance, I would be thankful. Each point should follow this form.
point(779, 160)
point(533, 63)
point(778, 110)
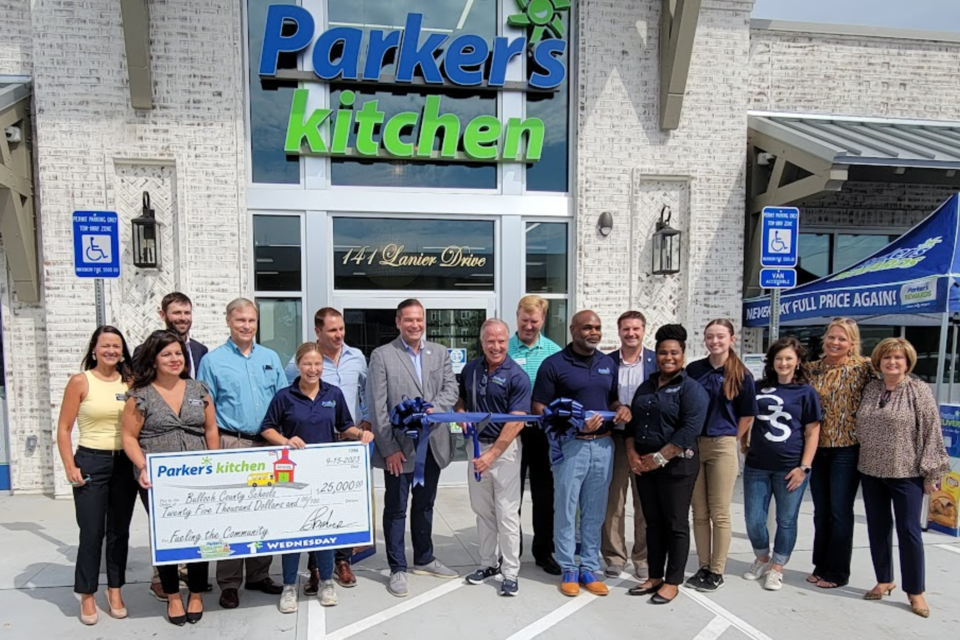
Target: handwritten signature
point(322, 518)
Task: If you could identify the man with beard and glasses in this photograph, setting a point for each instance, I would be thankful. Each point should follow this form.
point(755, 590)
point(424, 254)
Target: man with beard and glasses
point(582, 459)
point(176, 311)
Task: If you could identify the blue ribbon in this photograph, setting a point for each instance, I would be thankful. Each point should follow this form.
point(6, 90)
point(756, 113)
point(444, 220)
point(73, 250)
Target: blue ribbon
point(407, 417)
point(562, 419)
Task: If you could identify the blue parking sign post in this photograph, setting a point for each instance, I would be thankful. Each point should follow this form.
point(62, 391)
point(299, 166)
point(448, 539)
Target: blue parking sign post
point(779, 233)
point(96, 251)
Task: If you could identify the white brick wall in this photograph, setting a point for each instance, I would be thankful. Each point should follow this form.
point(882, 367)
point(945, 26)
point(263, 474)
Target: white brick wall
point(87, 135)
point(15, 33)
point(628, 166)
point(855, 76)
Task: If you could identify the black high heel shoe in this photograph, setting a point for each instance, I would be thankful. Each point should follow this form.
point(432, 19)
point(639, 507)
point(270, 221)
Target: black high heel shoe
point(193, 617)
point(177, 620)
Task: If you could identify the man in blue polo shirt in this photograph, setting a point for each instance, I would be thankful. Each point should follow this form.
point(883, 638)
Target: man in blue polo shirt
point(494, 383)
point(243, 377)
point(582, 478)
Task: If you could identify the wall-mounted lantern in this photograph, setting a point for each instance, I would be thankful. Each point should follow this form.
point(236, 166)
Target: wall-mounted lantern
point(666, 245)
point(146, 237)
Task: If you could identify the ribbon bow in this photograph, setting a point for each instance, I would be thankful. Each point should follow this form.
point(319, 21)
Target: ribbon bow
point(408, 417)
point(561, 421)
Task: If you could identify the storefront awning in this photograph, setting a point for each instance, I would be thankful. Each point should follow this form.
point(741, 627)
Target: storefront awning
point(796, 156)
point(17, 222)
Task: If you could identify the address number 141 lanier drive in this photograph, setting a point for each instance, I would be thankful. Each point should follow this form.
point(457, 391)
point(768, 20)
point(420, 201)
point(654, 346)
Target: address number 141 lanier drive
point(207, 505)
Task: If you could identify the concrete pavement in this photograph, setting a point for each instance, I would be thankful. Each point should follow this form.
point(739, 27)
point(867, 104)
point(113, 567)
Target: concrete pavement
point(39, 535)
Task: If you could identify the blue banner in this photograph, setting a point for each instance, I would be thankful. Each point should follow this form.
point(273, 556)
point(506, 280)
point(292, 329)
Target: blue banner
point(910, 276)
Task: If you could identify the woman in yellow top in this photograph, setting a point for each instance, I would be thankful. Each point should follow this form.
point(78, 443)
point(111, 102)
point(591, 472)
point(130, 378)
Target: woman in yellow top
point(839, 376)
point(104, 487)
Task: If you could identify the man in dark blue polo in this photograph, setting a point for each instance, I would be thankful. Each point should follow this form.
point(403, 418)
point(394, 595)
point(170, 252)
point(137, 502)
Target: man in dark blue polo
point(582, 478)
point(494, 383)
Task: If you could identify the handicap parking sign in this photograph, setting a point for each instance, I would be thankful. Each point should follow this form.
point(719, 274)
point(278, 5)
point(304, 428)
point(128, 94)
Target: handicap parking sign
point(96, 244)
point(779, 228)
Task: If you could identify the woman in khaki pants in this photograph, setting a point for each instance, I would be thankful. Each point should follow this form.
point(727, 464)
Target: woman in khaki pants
point(733, 405)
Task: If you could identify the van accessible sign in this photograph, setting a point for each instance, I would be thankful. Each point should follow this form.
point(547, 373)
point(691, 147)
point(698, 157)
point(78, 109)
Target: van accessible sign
point(435, 60)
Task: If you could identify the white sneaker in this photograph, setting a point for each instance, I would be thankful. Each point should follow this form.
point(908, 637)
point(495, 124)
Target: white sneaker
point(288, 599)
point(328, 595)
point(757, 569)
point(774, 581)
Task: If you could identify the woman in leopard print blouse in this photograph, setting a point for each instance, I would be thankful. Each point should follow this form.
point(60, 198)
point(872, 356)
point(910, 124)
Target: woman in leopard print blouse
point(839, 376)
point(902, 457)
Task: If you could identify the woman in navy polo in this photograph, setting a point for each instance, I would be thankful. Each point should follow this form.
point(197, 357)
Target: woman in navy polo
point(309, 411)
point(783, 443)
point(733, 405)
point(668, 412)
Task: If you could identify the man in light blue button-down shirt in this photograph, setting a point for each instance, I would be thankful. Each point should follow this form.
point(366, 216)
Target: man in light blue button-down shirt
point(243, 377)
point(346, 368)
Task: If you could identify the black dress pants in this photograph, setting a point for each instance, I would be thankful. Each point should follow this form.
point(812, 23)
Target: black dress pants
point(198, 573)
point(535, 462)
point(905, 495)
point(665, 496)
point(104, 508)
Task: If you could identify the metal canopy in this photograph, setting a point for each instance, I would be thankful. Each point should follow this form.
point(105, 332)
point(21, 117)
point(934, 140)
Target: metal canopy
point(793, 157)
point(17, 221)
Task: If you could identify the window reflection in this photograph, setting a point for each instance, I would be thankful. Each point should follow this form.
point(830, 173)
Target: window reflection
point(276, 242)
point(280, 326)
point(852, 248)
point(269, 109)
point(391, 253)
point(813, 257)
point(555, 327)
point(551, 173)
point(546, 257)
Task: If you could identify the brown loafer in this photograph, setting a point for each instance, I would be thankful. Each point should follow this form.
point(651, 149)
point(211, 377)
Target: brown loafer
point(229, 599)
point(157, 591)
point(344, 574)
point(313, 584)
point(267, 585)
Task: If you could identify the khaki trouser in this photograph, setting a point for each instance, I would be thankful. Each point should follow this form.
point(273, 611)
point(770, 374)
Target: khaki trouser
point(496, 502)
point(712, 496)
point(230, 572)
point(613, 542)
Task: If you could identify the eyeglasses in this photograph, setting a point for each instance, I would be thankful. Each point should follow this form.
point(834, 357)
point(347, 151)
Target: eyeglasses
point(885, 398)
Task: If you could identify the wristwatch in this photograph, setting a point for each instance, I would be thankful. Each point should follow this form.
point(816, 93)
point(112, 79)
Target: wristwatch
point(805, 468)
point(659, 459)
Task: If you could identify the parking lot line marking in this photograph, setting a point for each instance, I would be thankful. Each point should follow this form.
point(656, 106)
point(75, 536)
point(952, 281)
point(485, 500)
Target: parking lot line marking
point(948, 547)
point(714, 629)
point(316, 619)
point(393, 612)
point(734, 620)
point(557, 615)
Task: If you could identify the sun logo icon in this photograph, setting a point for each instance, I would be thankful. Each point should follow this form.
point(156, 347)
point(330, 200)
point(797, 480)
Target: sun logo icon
point(540, 16)
point(206, 460)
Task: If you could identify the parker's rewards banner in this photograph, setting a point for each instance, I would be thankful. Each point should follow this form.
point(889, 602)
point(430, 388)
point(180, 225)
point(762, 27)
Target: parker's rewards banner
point(209, 505)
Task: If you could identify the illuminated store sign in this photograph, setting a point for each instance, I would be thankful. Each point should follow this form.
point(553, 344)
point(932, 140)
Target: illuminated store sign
point(435, 60)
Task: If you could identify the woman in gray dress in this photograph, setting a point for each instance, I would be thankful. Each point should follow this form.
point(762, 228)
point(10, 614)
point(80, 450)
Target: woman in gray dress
point(165, 412)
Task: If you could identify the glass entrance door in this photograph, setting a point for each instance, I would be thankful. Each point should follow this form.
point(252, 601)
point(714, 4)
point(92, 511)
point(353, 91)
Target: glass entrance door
point(452, 321)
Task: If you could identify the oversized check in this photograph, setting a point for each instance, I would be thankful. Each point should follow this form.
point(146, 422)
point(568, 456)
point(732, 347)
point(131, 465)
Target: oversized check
point(207, 505)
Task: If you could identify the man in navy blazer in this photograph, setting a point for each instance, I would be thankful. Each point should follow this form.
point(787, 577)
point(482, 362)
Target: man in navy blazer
point(636, 364)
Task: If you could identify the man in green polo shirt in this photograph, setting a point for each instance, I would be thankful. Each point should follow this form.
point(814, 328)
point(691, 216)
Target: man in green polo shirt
point(529, 348)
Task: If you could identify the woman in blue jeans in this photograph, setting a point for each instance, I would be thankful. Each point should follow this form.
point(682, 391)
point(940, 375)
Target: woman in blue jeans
point(783, 442)
point(309, 411)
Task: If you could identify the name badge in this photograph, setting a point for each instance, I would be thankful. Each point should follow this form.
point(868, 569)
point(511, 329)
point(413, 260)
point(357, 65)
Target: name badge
point(194, 402)
point(122, 397)
point(520, 361)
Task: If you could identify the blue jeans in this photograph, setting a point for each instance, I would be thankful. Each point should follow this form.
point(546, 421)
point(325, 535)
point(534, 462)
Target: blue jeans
point(833, 486)
point(291, 564)
point(396, 491)
point(758, 486)
point(581, 480)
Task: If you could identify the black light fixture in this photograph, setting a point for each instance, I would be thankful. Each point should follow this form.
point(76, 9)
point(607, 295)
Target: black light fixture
point(146, 237)
point(666, 245)
point(605, 224)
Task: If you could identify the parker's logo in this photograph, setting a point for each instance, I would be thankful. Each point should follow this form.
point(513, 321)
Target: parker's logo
point(540, 17)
